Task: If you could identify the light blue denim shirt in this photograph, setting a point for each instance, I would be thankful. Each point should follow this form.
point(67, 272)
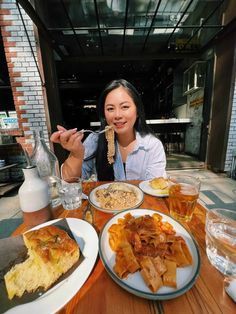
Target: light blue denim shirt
point(147, 160)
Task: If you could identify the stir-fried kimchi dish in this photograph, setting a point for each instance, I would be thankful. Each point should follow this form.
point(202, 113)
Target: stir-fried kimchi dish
point(149, 245)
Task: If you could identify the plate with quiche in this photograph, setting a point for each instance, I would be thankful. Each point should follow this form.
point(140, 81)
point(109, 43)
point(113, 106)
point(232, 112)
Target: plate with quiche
point(60, 256)
point(149, 254)
point(115, 197)
point(155, 187)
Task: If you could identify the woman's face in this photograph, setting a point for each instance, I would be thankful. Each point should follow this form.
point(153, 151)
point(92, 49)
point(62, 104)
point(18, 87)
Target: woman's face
point(120, 110)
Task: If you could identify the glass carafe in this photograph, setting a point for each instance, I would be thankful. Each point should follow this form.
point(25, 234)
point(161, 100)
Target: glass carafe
point(47, 165)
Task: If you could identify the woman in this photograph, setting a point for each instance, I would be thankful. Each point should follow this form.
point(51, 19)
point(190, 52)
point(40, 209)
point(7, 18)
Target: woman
point(139, 155)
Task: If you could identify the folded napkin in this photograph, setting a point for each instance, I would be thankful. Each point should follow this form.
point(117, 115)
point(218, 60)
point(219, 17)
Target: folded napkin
point(230, 287)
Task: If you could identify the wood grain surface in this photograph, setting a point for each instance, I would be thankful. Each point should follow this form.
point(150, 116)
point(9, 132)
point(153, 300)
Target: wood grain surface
point(101, 295)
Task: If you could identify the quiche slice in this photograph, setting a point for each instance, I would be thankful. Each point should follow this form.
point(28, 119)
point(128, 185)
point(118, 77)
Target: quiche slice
point(51, 254)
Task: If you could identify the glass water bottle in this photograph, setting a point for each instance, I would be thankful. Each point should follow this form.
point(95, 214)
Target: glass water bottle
point(47, 164)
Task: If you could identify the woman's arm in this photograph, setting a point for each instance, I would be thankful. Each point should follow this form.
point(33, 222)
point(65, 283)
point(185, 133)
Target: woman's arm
point(71, 141)
point(72, 167)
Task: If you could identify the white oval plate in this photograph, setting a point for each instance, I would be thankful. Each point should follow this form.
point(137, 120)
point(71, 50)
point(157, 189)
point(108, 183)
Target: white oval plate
point(56, 297)
point(95, 203)
point(146, 188)
point(134, 283)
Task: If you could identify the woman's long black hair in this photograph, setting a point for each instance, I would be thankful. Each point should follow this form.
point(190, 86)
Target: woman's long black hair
point(104, 169)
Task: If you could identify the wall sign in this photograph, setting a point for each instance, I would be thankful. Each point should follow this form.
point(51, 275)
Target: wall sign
point(10, 123)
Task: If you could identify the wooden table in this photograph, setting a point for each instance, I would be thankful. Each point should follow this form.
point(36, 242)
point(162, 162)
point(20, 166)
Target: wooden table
point(101, 295)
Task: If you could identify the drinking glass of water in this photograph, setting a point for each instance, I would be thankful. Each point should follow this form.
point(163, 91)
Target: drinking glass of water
point(221, 240)
point(70, 192)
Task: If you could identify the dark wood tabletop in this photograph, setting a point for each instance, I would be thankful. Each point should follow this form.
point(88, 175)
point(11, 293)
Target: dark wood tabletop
point(100, 294)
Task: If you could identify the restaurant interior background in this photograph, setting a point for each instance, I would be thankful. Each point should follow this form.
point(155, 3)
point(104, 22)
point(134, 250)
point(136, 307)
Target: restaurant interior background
point(180, 55)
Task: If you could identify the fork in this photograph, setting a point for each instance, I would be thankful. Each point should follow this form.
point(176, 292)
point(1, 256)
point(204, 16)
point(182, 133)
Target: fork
point(95, 132)
point(88, 212)
point(90, 131)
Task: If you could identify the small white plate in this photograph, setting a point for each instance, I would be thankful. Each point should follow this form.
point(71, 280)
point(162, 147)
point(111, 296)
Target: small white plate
point(186, 276)
point(93, 200)
point(146, 188)
point(56, 297)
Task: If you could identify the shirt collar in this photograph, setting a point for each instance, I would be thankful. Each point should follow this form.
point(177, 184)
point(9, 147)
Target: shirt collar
point(141, 143)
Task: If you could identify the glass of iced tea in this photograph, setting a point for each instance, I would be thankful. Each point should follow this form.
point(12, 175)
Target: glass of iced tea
point(183, 195)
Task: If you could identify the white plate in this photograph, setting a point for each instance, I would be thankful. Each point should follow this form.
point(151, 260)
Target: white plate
point(146, 188)
point(96, 204)
point(59, 295)
point(134, 283)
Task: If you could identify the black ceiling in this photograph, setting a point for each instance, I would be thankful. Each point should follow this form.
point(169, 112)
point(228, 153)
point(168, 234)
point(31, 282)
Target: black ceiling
point(95, 41)
point(115, 28)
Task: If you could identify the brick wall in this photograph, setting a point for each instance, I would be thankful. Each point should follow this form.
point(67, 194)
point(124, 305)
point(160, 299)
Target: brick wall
point(231, 147)
point(25, 80)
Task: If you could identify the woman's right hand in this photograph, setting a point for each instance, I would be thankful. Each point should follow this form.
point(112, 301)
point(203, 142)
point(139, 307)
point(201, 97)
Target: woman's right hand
point(69, 140)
